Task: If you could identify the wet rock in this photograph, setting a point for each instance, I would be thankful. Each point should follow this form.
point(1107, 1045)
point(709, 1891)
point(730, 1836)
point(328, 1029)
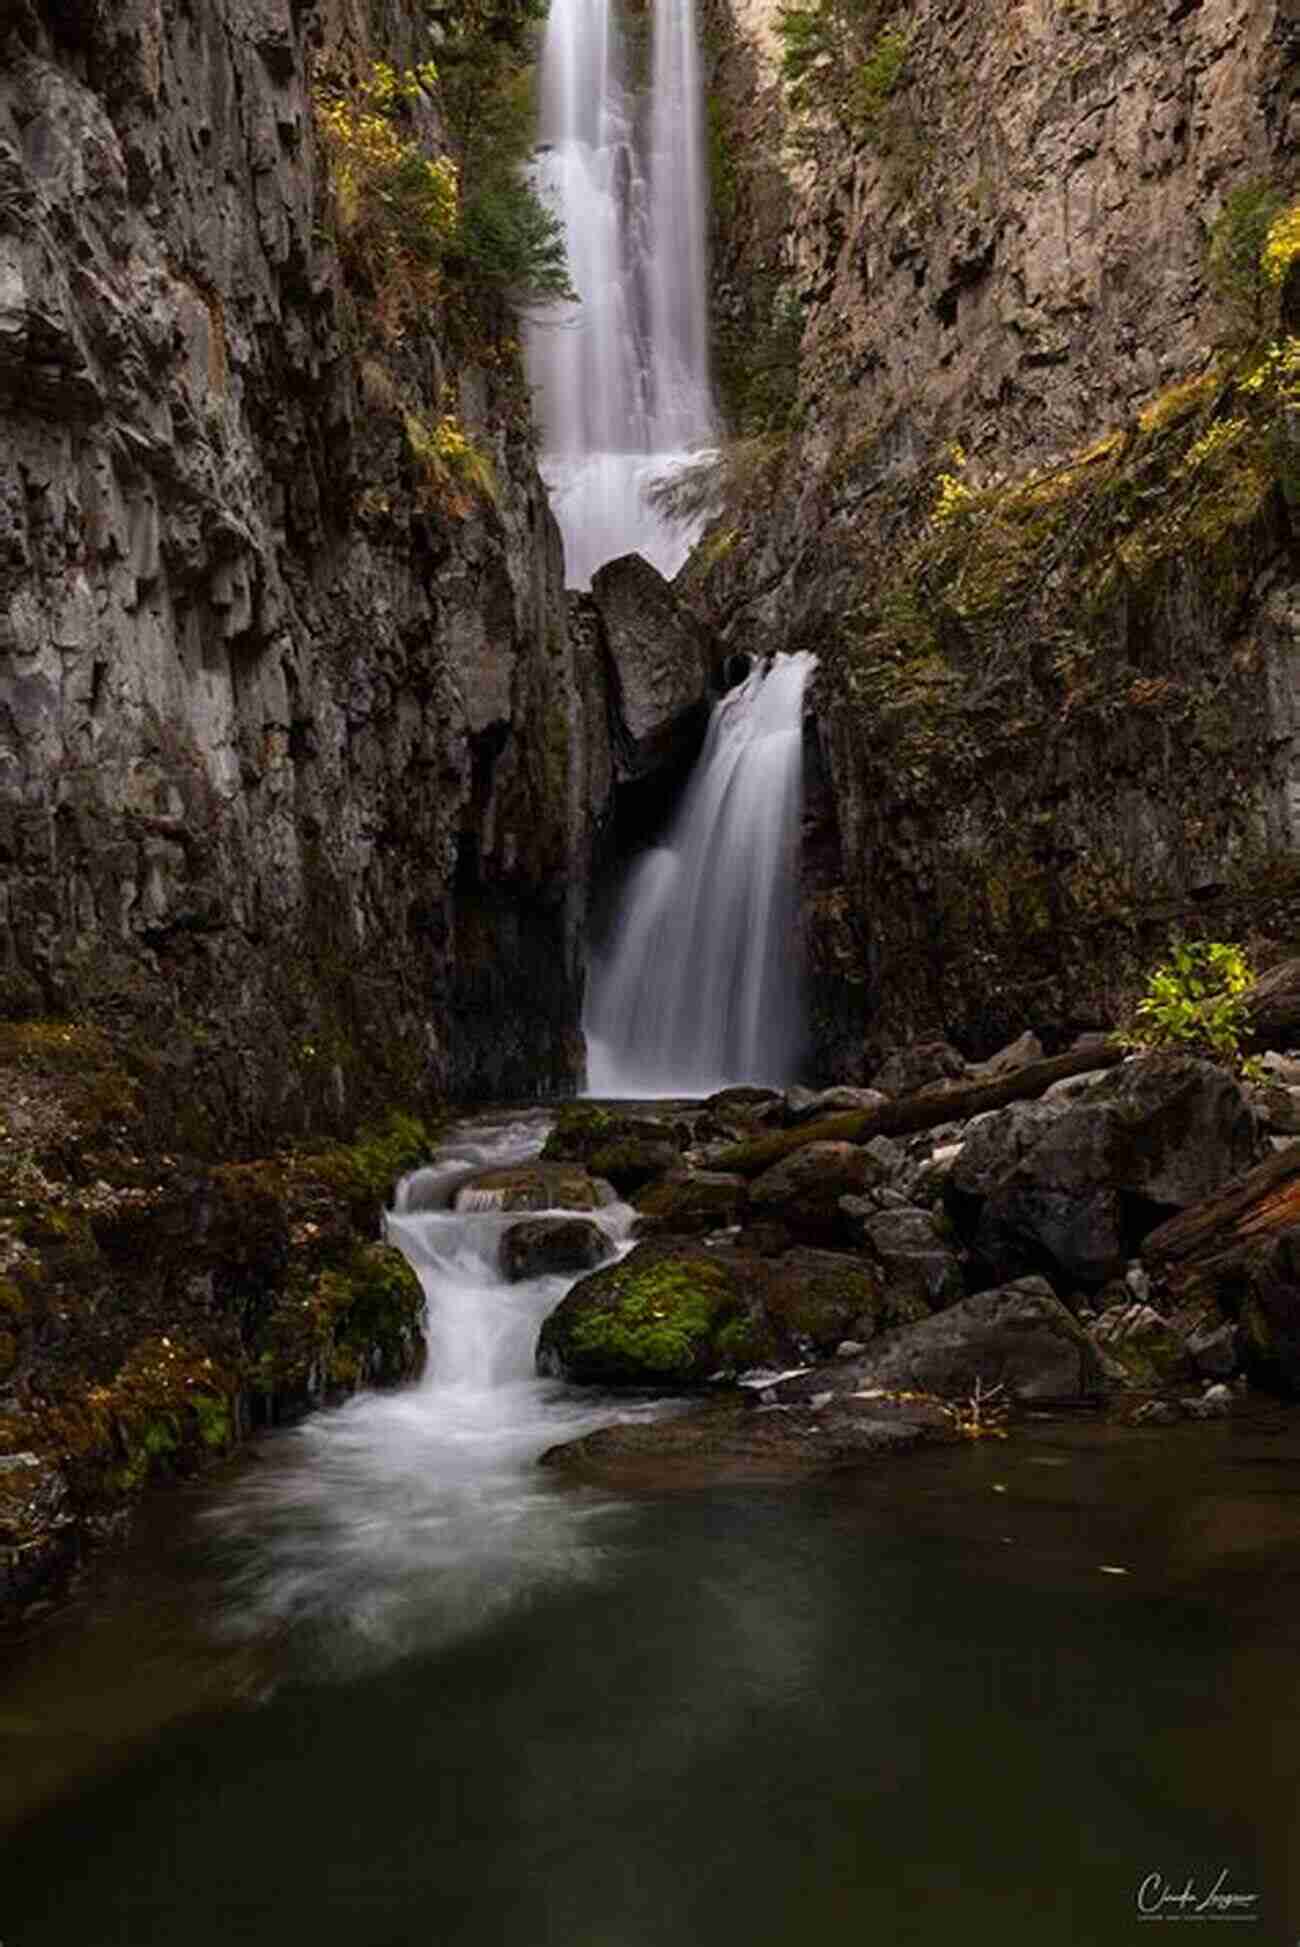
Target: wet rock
point(1020, 1337)
point(1277, 1108)
point(534, 1186)
point(803, 1192)
point(1017, 1054)
point(692, 1201)
point(729, 1441)
point(582, 1129)
point(812, 1300)
point(1215, 1403)
point(667, 1315)
point(1214, 1351)
point(921, 1066)
point(659, 667)
point(544, 1245)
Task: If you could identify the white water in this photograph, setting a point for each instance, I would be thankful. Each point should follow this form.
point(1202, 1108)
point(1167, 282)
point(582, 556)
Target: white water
point(623, 377)
point(407, 1518)
point(700, 985)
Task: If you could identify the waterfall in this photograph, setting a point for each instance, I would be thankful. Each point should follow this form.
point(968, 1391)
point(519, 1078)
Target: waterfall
point(700, 985)
point(622, 378)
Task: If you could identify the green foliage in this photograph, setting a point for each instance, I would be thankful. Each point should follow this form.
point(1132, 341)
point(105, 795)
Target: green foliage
point(456, 471)
point(507, 240)
point(1195, 1001)
point(1235, 261)
point(513, 242)
point(842, 58)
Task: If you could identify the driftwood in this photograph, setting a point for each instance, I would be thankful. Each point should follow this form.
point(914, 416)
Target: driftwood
point(1203, 1249)
point(951, 1102)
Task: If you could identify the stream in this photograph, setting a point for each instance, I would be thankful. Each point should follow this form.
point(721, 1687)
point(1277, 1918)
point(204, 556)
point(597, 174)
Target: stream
point(382, 1679)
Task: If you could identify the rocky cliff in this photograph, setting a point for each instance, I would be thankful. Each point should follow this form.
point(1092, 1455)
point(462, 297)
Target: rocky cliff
point(294, 767)
point(1023, 481)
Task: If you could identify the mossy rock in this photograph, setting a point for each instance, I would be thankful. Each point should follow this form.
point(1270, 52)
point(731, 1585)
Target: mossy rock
point(534, 1186)
point(552, 1246)
point(815, 1299)
point(595, 1137)
point(656, 1319)
point(633, 1161)
point(687, 1202)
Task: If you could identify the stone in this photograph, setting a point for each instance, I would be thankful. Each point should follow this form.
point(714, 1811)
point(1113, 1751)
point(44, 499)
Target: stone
point(689, 1201)
point(1159, 1134)
point(1026, 1048)
point(658, 663)
point(1019, 1337)
point(545, 1246)
point(631, 1162)
point(1277, 1108)
point(803, 1192)
point(534, 1186)
point(665, 1316)
point(912, 1248)
point(922, 1065)
point(1214, 1351)
point(805, 1105)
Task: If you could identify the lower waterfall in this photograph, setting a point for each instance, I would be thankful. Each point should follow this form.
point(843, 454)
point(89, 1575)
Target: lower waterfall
point(700, 985)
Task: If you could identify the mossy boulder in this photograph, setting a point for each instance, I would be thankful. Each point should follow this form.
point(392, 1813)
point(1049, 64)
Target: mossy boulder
point(812, 1300)
point(534, 1186)
point(658, 1318)
point(542, 1246)
point(585, 1131)
point(1147, 1349)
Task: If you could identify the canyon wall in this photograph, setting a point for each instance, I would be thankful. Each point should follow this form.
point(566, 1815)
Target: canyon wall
point(297, 779)
point(1022, 499)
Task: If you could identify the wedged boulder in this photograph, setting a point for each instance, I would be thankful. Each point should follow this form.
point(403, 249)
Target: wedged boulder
point(667, 1315)
point(1150, 1350)
point(1155, 1136)
point(921, 1066)
point(1020, 1337)
point(688, 1202)
point(541, 1246)
point(913, 1249)
point(803, 1192)
point(659, 667)
point(534, 1186)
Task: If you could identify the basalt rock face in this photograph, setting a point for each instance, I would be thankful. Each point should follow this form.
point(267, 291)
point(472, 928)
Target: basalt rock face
point(1056, 707)
point(296, 770)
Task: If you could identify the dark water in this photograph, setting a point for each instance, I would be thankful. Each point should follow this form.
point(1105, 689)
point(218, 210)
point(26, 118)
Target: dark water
point(907, 1706)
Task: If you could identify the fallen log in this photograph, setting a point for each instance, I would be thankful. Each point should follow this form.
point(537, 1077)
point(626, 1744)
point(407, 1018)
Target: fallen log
point(1196, 1251)
point(949, 1102)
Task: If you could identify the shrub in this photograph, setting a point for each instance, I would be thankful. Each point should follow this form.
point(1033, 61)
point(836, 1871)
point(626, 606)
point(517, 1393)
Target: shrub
point(1234, 262)
point(1195, 1001)
point(455, 469)
point(837, 57)
point(511, 240)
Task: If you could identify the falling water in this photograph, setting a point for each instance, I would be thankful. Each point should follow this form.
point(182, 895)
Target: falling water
point(414, 1516)
point(622, 377)
point(700, 985)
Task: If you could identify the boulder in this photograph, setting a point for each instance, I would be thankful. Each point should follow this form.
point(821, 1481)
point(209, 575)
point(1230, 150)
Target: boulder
point(812, 1300)
point(806, 1105)
point(541, 1246)
point(1277, 1108)
point(534, 1186)
point(993, 1143)
point(690, 1201)
point(803, 1192)
point(1156, 1135)
point(658, 664)
point(633, 1161)
point(1020, 1337)
point(922, 1065)
point(913, 1250)
point(667, 1315)
point(585, 1129)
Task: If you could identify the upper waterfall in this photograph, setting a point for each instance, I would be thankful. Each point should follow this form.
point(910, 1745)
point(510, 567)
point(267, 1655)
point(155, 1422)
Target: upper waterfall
point(622, 378)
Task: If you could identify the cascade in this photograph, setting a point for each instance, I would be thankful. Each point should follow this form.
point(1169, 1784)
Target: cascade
point(622, 378)
point(700, 984)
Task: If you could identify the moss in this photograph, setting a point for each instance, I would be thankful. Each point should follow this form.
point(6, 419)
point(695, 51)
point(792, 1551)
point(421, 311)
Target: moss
point(654, 1318)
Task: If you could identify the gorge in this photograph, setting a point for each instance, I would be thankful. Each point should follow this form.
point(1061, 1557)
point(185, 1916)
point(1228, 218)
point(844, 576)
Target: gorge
point(788, 696)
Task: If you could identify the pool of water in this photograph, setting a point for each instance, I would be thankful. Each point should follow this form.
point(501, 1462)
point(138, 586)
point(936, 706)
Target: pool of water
point(384, 1681)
